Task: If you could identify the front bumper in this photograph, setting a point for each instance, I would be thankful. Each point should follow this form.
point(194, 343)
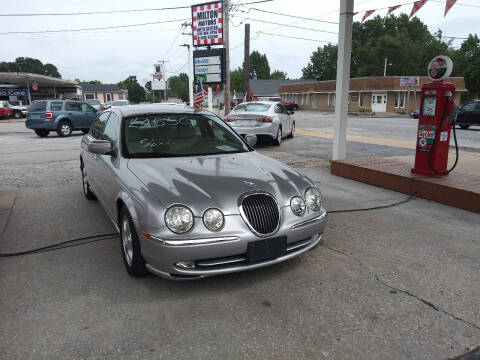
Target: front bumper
point(226, 253)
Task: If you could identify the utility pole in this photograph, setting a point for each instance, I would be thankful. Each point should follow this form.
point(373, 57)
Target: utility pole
point(190, 73)
point(246, 62)
point(226, 86)
point(385, 67)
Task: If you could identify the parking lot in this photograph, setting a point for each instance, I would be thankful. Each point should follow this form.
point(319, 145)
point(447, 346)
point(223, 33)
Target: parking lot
point(393, 283)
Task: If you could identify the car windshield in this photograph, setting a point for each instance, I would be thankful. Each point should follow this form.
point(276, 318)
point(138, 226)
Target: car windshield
point(253, 107)
point(179, 134)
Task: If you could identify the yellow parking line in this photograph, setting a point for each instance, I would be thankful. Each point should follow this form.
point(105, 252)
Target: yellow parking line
point(363, 139)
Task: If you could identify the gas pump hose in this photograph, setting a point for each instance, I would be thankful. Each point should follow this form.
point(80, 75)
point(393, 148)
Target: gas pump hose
point(435, 141)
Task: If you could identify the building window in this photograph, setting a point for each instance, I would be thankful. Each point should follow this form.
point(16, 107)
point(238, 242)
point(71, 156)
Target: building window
point(331, 99)
point(400, 99)
point(89, 96)
point(314, 101)
point(302, 101)
point(109, 97)
point(360, 99)
point(307, 99)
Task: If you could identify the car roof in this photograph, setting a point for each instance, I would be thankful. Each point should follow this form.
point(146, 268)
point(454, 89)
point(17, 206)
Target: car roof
point(157, 108)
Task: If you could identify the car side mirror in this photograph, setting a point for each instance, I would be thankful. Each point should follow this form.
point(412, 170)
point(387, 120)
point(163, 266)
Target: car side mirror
point(100, 147)
point(251, 139)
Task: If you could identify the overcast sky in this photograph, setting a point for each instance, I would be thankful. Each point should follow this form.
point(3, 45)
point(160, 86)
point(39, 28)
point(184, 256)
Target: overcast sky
point(112, 55)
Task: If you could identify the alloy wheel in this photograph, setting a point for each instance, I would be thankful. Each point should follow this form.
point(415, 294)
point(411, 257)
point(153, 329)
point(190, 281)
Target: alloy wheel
point(127, 243)
point(65, 129)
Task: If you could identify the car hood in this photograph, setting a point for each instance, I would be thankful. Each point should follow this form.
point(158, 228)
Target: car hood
point(218, 180)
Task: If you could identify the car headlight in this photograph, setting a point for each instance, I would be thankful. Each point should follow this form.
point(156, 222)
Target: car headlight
point(213, 219)
point(298, 205)
point(179, 219)
point(313, 198)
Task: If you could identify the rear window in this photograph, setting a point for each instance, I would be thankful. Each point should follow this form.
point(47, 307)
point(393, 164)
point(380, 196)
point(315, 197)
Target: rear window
point(38, 106)
point(253, 107)
point(56, 106)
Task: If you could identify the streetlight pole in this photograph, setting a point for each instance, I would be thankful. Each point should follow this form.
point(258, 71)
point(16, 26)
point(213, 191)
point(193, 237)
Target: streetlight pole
point(190, 73)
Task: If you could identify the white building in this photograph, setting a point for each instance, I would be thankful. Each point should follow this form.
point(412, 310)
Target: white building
point(103, 92)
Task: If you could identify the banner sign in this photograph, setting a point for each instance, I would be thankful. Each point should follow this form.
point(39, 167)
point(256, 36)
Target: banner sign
point(209, 65)
point(207, 24)
point(158, 71)
point(13, 92)
point(409, 81)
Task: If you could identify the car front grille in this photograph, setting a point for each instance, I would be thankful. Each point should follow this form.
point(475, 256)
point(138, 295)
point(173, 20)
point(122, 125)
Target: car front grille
point(260, 211)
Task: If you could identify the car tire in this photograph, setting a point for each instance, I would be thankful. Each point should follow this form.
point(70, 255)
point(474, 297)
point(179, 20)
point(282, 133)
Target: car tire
point(87, 190)
point(130, 245)
point(464, 126)
point(42, 133)
point(64, 129)
point(292, 131)
point(295, 108)
point(85, 131)
point(17, 114)
point(278, 140)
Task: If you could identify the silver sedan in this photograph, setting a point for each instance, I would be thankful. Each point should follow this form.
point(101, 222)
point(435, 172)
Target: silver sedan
point(191, 198)
point(262, 118)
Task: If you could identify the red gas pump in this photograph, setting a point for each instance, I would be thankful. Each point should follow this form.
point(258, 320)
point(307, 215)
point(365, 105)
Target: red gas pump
point(436, 118)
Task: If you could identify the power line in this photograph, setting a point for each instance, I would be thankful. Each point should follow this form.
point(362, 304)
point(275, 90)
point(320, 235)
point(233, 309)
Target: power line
point(294, 37)
point(293, 16)
point(89, 29)
point(292, 26)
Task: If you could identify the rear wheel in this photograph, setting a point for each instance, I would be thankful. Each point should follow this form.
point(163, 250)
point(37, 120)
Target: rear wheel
point(464, 126)
point(17, 114)
point(131, 250)
point(42, 133)
point(64, 129)
point(278, 140)
point(85, 131)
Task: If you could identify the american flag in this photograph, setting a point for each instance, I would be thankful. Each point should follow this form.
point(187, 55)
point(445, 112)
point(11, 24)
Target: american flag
point(198, 98)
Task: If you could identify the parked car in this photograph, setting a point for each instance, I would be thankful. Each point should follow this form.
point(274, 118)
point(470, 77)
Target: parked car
point(95, 103)
point(265, 118)
point(191, 198)
point(18, 109)
point(5, 110)
point(119, 103)
point(289, 105)
point(469, 114)
point(415, 114)
point(62, 116)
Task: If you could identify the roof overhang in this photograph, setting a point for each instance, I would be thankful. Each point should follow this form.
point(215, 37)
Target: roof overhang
point(21, 79)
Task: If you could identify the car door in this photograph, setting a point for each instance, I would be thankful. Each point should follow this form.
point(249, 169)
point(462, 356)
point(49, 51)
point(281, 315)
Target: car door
point(89, 114)
point(467, 113)
point(74, 112)
point(108, 165)
point(278, 108)
point(476, 115)
point(90, 160)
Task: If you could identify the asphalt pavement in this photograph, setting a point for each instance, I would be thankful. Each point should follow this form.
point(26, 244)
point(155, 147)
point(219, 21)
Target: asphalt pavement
point(396, 283)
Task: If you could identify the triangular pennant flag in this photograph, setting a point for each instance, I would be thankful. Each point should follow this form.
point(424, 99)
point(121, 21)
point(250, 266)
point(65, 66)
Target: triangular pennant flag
point(448, 6)
point(416, 6)
point(354, 13)
point(367, 14)
point(392, 9)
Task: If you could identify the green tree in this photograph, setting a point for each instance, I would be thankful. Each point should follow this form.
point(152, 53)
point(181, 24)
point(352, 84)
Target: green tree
point(278, 75)
point(466, 63)
point(236, 80)
point(178, 86)
point(259, 66)
point(30, 65)
point(322, 65)
point(136, 93)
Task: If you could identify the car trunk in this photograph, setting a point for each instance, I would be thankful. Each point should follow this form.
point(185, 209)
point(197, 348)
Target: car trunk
point(245, 119)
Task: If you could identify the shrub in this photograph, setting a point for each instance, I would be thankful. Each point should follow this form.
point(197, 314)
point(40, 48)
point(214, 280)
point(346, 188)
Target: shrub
point(364, 109)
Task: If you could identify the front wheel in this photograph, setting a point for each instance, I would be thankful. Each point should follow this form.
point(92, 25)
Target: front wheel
point(87, 191)
point(131, 250)
point(64, 129)
point(17, 114)
point(85, 131)
point(464, 126)
point(278, 140)
point(292, 132)
point(42, 133)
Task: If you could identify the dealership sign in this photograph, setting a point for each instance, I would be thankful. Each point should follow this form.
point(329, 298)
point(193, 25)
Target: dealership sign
point(409, 81)
point(13, 92)
point(209, 65)
point(207, 24)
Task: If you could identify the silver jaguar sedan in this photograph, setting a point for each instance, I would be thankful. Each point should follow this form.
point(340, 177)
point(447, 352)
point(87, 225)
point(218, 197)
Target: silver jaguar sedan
point(191, 198)
point(262, 118)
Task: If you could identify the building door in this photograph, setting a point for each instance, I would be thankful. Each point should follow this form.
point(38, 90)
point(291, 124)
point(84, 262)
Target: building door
point(379, 103)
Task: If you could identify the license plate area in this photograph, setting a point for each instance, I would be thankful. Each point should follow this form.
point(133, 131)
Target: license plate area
point(266, 249)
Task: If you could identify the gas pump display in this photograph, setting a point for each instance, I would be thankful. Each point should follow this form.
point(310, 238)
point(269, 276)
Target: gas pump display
point(429, 106)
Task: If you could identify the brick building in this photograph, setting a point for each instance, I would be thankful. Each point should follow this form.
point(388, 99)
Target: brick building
point(380, 94)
